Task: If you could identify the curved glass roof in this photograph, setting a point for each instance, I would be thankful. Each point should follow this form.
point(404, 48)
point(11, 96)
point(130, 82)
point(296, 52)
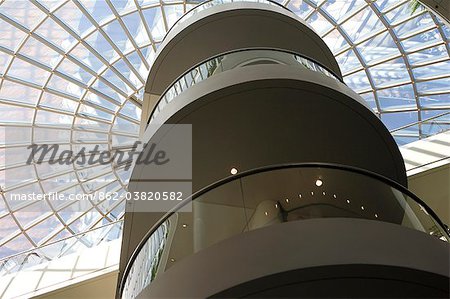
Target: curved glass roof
point(72, 72)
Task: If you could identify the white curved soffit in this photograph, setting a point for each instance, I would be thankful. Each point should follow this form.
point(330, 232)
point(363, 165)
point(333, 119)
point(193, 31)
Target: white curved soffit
point(72, 73)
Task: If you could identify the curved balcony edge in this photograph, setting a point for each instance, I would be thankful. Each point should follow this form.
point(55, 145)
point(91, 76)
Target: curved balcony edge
point(209, 3)
point(364, 173)
point(382, 267)
point(180, 49)
point(212, 66)
point(249, 74)
point(308, 92)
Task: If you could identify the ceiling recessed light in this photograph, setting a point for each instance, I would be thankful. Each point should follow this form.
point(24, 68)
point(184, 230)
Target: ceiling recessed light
point(312, 192)
point(287, 200)
point(323, 193)
point(362, 207)
point(172, 260)
point(348, 201)
point(319, 182)
point(334, 195)
point(233, 171)
point(299, 196)
point(376, 215)
point(184, 225)
point(265, 213)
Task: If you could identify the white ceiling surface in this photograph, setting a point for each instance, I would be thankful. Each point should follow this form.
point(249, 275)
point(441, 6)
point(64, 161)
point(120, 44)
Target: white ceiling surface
point(427, 163)
point(60, 273)
point(99, 287)
point(426, 154)
point(433, 186)
point(72, 72)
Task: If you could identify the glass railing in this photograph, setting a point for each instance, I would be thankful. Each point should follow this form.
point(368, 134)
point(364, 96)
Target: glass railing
point(146, 263)
point(211, 3)
point(61, 248)
point(233, 60)
point(269, 196)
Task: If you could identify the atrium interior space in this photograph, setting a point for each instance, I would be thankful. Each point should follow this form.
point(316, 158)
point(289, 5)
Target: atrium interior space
point(224, 149)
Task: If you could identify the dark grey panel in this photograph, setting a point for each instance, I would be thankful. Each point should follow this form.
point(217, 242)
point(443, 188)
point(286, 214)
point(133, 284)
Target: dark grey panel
point(273, 114)
point(270, 114)
point(229, 27)
point(310, 244)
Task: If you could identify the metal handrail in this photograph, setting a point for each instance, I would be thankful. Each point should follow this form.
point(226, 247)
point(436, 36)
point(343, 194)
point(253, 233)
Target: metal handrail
point(266, 169)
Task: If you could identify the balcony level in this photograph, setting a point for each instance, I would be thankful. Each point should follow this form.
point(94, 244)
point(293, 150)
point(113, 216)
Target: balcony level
point(300, 230)
point(217, 27)
point(269, 113)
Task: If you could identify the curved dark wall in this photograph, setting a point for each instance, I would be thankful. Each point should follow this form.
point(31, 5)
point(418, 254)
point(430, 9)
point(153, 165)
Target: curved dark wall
point(260, 115)
point(268, 121)
point(344, 281)
point(380, 260)
point(271, 114)
point(244, 25)
point(272, 126)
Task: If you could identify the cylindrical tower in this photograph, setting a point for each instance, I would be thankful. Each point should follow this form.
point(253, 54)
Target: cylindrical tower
point(299, 189)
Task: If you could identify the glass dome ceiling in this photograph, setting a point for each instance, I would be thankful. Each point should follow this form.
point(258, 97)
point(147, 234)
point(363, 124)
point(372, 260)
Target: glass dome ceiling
point(73, 72)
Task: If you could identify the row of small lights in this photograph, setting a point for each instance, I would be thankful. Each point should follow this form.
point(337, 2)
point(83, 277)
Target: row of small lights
point(184, 225)
point(319, 183)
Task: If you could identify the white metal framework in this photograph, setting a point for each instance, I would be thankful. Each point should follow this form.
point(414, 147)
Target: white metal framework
point(72, 72)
